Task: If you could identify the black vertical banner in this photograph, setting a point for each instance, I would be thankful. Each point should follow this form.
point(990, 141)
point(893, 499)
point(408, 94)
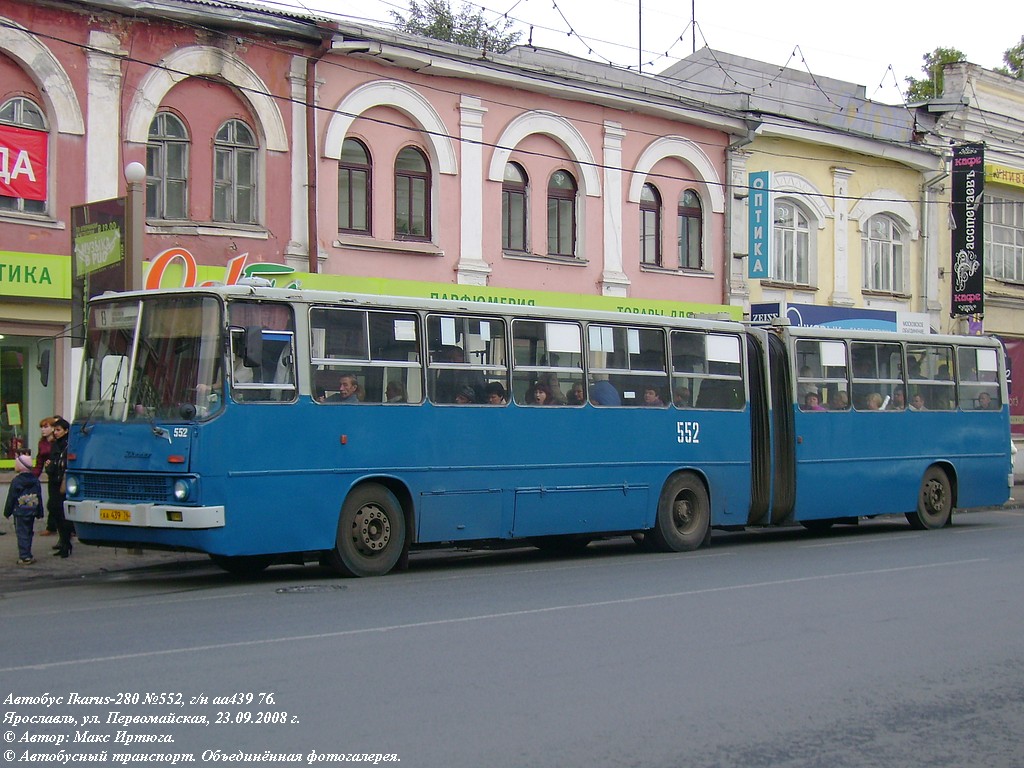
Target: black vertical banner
point(968, 268)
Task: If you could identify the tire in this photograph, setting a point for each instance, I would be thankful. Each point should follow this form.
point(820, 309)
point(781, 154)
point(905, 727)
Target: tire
point(371, 533)
point(684, 516)
point(243, 565)
point(934, 502)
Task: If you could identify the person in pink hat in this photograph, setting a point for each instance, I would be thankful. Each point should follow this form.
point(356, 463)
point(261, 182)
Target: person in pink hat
point(25, 503)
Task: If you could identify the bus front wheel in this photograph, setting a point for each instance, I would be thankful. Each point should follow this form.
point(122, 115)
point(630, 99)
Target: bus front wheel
point(684, 516)
point(934, 501)
point(371, 533)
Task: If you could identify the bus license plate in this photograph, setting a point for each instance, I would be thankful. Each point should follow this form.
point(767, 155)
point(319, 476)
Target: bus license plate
point(116, 515)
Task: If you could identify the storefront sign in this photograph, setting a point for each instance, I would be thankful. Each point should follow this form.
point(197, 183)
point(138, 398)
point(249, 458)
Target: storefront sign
point(1000, 174)
point(968, 184)
point(23, 162)
point(34, 275)
point(759, 213)
point(177, 267)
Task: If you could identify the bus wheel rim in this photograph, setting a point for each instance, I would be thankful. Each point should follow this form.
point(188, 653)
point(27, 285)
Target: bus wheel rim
point(371, 530)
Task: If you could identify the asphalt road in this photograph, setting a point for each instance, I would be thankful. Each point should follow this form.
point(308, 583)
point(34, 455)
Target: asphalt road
point(868, 646)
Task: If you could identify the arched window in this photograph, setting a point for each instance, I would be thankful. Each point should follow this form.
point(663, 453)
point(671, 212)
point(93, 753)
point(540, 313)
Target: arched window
point(650, 226)
point(167, 168)
point(691, 231)
point(514, 208)
point(883, 255)
point(791, 258)
point(562, 214)
point(23, 113)
point(354, 187)
point(412, 195)
point(234, 177)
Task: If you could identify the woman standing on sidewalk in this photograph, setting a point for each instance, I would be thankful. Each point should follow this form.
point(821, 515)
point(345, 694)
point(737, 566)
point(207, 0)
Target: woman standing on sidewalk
point(42, 454)
point(55, 468)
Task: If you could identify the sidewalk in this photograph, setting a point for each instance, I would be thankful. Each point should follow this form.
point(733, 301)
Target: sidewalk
point(86, 560)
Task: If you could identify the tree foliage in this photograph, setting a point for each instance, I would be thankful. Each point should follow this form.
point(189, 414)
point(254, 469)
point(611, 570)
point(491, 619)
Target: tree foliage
point(436, 19)
point(931, 85)
point(1014, 58)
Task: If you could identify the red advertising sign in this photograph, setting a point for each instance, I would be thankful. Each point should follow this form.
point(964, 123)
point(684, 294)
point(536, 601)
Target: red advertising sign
point(23, 156)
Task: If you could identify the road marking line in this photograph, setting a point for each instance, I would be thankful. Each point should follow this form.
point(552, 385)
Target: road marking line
point(486, 616)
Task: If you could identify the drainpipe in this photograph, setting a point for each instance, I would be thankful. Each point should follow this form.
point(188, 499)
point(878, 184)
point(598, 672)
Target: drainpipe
point(312, 211)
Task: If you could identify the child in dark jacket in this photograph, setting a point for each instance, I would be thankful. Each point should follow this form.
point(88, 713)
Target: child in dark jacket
point(25, 503)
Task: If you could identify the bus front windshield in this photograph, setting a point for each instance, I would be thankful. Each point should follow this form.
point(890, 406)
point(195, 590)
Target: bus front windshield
point(156, 357)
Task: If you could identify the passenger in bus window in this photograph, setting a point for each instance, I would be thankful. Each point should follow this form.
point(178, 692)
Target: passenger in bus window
point(652, 399)
point(873, 402)
point(550, 380)
point(539, 394)
point(395, 392)
point(917, 403)
point(465, 396)
point(840, 401)
point(811, 402)
point(348, 390)
point(575, 394)
point(496, 394)
point(682, 397)
point(602, 392)
point(899, 400)
point(985, 402)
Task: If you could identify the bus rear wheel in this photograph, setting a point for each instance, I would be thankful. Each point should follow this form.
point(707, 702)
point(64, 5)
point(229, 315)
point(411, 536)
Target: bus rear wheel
point(684, 516)
point(934, 501)
point(371, 533)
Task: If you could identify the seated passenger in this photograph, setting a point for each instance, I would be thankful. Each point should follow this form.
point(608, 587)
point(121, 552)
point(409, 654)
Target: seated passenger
point(465, 396)
point(394, 392)
point(682, 397)
point(840, 401)
point(873, 402)
point(496, 394)
point(899, 400)
point(603, 393)
point(538, 394)
point(985, 402)
point(811, 402)
point(652, 399)
point(575, 394)
point(550, 380)
point(348, 390)
point(917, 403)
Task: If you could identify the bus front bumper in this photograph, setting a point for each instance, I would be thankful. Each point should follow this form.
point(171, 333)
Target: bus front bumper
point(144, 515)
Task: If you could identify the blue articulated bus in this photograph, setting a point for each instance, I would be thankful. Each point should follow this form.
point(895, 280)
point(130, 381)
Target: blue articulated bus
point(264, 425)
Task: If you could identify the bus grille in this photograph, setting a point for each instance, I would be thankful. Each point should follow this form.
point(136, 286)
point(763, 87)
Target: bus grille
point(110, 487)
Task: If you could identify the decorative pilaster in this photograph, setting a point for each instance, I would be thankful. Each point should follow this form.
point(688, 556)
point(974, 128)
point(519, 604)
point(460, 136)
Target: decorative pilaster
point(841, 233)
point(472, 269)
point(614, 281)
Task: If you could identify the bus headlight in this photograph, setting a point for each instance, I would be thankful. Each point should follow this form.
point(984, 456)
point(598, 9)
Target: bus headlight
point(182, 489)
point(71, 485)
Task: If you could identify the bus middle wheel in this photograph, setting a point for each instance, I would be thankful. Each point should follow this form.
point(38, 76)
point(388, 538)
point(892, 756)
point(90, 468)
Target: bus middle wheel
point(684, 516)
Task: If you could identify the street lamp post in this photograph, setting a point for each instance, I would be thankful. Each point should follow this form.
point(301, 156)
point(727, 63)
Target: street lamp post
point(135, 175)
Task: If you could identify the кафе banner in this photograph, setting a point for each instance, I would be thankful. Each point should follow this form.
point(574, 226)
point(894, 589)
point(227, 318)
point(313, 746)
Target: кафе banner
point(968, 183)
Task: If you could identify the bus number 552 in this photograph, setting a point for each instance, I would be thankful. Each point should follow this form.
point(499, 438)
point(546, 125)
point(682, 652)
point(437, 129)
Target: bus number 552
point(688, 431)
